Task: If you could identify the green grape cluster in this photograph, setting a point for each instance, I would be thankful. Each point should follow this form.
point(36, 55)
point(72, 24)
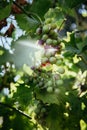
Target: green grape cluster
point(47, 81)
point(41, 112)
point(51, 57)
point(48, 33)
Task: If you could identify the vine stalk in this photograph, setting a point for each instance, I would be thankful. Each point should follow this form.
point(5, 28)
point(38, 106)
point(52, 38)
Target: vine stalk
point(15, 109)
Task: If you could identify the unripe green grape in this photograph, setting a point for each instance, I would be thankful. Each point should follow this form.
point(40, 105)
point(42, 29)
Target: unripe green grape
point(52, 33)
point(49, 83)
point(45, 37)
point(55, 35)
point(54, 42)
point(39, 31)
point(56, 91)
point(53, 53)
point(49, 20)
point(48, 54)
point(61, 70)
point(53, 26)
point(44, 59)
point(52, 59)
point(57, 76)
point(45, 29)
point(59, 62)
point(49, 89)
point(59, 82)
point(49, 41)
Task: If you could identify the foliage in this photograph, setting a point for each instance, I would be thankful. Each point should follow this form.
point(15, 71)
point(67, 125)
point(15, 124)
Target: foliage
point(43, 87)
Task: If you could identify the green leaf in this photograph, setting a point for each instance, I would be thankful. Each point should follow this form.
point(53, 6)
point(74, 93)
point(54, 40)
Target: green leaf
point(83, 63)
point(72, 41)
point(26, 23)
point(40, 7)
point(74, 3)
point(82, 45)
point(23, 95)
point(55, 117)
point(71, 4)
point(5, 12)
point(51, 98)
point(47, 98)
point(55, 14)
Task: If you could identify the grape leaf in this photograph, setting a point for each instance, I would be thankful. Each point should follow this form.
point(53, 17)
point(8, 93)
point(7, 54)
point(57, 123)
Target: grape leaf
point(51, 98)
point(70, 4)
point(26, 23)
point(23, 95)
point(40, 7)
point(5, 12)
point(47, 98)
point(55, 14)
point(55, 118)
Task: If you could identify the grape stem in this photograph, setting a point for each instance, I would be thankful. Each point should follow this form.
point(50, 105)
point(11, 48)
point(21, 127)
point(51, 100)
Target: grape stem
point(15, 109)
point(29, 14)
point(61, 25)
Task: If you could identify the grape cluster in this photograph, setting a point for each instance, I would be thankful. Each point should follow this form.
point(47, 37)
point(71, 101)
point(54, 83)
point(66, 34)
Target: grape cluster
point(47, 81)
point(51, 56)
point(41, 112)
point(48, 33)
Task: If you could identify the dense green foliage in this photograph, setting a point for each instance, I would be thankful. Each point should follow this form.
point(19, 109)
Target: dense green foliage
point(49, 93)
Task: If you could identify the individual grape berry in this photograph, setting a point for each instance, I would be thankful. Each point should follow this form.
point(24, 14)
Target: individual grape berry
point(45, 29)
point(49, 89)
point(56, 76)
point(38, 31)
point(53, 26)
point(44, 60)
point(44, 37)
point(48, 54)
point(55, 35)
point(41, 42)
point(52, 33)
point(61, 70)
point(52, 59)
point(59, 62)
point(54, 42)
point(49, 41)
point(49, 20)
point(56, 91)
point(49, 83)
point(59, 82)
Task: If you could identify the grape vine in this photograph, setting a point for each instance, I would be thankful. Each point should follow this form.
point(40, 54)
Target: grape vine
point(51, 92)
